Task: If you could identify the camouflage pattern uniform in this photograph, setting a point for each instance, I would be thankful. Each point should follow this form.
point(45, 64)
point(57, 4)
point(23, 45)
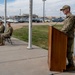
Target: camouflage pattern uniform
point(2, 28)
point(68, 28)
point(8, 33)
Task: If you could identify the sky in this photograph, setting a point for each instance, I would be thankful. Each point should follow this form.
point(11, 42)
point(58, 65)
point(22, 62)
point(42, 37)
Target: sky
point(2, 1)
point(52, 7)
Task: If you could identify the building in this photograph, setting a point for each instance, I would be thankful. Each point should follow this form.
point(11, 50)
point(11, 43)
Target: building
point(23, 16)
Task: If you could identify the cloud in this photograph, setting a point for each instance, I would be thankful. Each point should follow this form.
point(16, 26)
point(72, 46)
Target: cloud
point(52, 7)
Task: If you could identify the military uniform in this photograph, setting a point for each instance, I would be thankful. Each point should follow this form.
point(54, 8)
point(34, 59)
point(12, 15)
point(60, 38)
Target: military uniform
point(8, 33)
point(68, 28)
point(2, 28)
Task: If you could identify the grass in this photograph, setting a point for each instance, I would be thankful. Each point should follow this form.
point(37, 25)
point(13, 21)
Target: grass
point(39, 35)
point(58, 26)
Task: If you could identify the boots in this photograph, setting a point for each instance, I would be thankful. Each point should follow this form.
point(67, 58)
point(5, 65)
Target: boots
point(70, 67)
point(2, 43)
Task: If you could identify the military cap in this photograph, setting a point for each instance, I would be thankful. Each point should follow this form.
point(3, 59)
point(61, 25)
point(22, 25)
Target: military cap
point(65, 7)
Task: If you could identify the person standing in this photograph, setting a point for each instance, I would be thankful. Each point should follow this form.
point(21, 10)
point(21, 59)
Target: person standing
point(68, 29)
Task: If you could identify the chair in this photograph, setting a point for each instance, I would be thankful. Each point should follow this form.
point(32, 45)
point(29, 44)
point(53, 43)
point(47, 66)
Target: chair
point(8, 38)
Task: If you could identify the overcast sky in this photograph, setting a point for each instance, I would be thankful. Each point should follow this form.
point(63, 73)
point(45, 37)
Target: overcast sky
point(52, 7)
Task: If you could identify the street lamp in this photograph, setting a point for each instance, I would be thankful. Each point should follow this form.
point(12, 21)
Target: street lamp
point(5, 13)
point(43, 10)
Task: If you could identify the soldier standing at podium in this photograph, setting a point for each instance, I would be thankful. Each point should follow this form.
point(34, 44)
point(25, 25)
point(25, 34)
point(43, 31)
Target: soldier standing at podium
point(68, 28)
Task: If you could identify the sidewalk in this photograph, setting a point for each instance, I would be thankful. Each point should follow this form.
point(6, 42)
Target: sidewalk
point(16, 59)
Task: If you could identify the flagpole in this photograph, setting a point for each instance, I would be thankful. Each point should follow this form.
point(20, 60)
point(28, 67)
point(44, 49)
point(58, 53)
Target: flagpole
point(5, 13)
point(30, 24)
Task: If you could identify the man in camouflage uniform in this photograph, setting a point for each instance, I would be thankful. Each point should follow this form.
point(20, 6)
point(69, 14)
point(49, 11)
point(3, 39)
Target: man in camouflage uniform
point(8, 33)
point(68, 28)
point(2, 28)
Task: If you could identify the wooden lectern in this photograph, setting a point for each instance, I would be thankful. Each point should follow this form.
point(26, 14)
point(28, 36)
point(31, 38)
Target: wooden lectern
point(57, 50)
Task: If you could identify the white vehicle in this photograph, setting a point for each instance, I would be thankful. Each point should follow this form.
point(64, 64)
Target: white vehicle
point(47, 20)
point(12, 21)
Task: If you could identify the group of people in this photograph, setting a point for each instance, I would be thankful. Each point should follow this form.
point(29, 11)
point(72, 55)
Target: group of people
point(5, 33)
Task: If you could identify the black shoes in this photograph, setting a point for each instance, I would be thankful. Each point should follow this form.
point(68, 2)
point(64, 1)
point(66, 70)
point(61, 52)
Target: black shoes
point(69, 67)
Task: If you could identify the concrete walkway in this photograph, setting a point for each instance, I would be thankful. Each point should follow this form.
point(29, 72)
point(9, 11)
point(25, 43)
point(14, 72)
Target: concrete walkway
point(16, 59)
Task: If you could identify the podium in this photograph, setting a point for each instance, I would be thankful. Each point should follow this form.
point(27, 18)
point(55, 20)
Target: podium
point(57, 50)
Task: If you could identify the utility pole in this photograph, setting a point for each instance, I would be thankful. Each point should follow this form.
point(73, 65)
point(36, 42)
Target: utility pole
point(5, 13)
point(30, 24)
point(20, 12)
point(43, 10)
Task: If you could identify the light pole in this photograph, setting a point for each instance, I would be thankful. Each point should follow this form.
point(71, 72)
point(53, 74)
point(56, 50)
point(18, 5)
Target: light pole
point(5, 13)
point(20, 12)
point(43, 10)
point(30, 24)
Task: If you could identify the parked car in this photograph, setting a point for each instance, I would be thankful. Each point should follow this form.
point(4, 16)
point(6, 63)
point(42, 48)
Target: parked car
point(33, 20)
point(57, 19)
point(12, 20)
point(41, 19)
point(36, 20)
point(27, 20)
point(2, 20)
point(22, 20)
point(45, 19)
